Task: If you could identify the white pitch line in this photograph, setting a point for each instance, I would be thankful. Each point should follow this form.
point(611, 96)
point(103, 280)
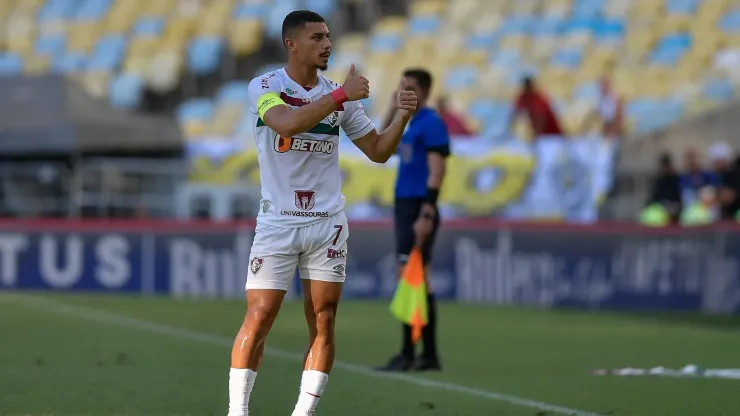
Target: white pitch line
point(98, 315)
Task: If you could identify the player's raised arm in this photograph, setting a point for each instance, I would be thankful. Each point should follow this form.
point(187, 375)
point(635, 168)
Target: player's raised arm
point(276, 114)
point(379, 147)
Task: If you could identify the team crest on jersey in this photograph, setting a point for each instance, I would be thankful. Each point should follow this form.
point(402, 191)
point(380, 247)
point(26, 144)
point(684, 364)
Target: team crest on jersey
point(305, 200)
point(333, 119)
point(265, 207)
point(255, 265)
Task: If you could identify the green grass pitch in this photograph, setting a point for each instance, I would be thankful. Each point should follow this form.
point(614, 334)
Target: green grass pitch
point(78, 355)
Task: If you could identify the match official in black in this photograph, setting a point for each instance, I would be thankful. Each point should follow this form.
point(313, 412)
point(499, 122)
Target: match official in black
point(423, 149)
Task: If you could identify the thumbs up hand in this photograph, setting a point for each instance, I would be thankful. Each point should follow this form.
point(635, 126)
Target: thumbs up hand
point(406, 100)
point(355, 85)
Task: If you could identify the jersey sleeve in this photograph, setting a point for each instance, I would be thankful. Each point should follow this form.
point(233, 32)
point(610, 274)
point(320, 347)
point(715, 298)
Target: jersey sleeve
point(264, 93)
point(356, 123)
point(436, 136)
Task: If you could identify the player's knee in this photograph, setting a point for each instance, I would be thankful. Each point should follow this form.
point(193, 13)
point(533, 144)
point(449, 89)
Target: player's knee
point(259, 320)
point(325, 319)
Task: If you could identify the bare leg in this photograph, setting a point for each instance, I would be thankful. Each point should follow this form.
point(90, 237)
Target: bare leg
point(263, 306)
point(320, 306)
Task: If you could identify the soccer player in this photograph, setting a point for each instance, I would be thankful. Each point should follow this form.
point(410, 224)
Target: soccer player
point(423, 150)
point(301, 223)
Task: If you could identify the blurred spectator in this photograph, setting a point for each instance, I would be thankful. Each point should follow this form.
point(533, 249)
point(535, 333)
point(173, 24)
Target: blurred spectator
point(703, 211)
point(609, 112)
point(666, 190)
point(721, 156)
point(456, 125)
point(537, 106)
point(694, 178)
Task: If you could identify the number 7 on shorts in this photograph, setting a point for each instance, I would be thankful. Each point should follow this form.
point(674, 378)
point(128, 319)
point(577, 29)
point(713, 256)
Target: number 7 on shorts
point(339, 232)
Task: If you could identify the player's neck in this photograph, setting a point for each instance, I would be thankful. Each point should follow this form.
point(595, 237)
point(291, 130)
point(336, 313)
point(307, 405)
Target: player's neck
point(305, 76)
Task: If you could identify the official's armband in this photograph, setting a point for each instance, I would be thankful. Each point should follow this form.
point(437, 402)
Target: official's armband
point(267, 101)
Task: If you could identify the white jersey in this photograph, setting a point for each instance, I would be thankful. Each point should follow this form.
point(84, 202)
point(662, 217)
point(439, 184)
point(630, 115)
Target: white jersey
point(300, 177)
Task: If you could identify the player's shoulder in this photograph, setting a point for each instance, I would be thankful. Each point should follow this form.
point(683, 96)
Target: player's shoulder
point(329, 83)
point(268, 80)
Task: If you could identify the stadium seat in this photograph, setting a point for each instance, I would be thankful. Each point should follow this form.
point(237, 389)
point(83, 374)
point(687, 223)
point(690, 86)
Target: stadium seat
point(10, 64)
point(655, 50)
point(126, 91)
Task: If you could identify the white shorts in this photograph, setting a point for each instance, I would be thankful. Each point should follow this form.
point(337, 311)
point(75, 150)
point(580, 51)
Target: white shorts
point(319, 251)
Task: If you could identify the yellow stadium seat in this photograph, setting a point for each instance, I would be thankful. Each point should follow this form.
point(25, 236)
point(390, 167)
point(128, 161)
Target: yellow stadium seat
point(31, 6)
point(675, 23)
point(137, 64)
point(82, 36)
point(246, 37)
point(96, 83)
point(35, 65)
point(157, 7)
point(193, 128)
point(394, 24)
point(224, 120)
point(427, 7)
point(514, 42)
point(20, 44)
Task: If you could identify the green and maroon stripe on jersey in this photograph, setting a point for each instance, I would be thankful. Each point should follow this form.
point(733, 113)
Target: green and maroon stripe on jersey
point(321, 128)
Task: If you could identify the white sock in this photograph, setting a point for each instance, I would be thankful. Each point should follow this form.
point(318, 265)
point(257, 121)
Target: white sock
point(241, 381)
point(313, 384)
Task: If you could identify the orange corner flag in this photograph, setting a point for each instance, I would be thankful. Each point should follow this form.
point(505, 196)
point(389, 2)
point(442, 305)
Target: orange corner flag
point(409, 304)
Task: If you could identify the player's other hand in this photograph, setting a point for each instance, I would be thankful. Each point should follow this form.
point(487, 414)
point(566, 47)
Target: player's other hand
point(355, 85)
point(405, 100)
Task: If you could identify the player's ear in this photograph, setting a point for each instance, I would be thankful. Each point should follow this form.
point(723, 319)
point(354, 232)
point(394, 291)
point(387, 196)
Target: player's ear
point(289, 43)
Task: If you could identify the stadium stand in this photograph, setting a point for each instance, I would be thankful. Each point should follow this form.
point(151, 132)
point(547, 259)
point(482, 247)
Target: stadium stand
point(668, 58)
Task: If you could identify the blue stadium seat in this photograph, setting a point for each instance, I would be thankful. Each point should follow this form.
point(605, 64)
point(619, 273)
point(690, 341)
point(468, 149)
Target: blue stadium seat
point(681, 7)
point(549, 26)
point(149, 26)
point(719, 90)
point(10, 64)
point(275, 16)
point(386, 42)
point(461, 77)
point(244, 127)
point(92, 9)
point(323, 7)
point(69, 63)
point(234, 92)
point(424, 25)
point(517, 24)
point(57, 10)
point(730, 22)
point(506, 58)
point(670, 48)
point(126, 91)
point(50, 45)
point(204, 55)
point(587, 91)
point(480, 40)
point(248, 11)
point(195, 109)
point(579, 25)
point(608, 30)
point(588, 9)
point(107, 54)
point(567, 58)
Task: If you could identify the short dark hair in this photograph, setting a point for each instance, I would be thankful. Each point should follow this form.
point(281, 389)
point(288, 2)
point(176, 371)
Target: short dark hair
point(297, 19)
point(422, 76)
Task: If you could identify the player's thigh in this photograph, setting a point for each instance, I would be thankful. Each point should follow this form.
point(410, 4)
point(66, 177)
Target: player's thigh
point(326, 256)
point(273, 259)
